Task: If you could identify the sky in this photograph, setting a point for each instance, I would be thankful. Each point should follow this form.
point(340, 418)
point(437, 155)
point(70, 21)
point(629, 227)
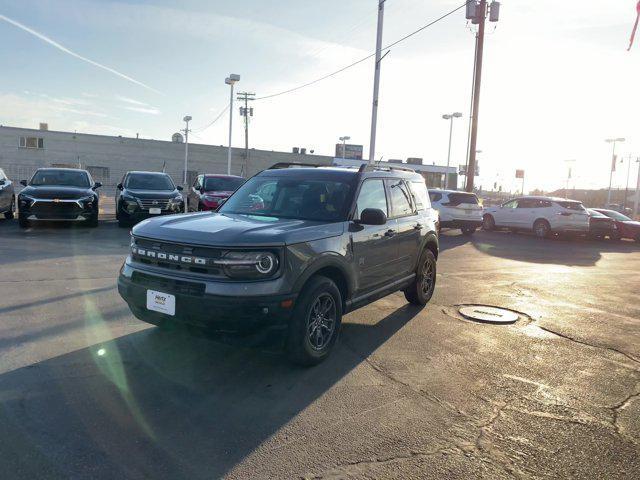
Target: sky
point(557, 78)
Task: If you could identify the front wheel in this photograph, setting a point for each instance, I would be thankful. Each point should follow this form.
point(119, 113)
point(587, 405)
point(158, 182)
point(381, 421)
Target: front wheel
point(421, 289)
point(488, 223)
point(315, 324)
point(92, 222)
point(9, 213)
point(22, 221)
point(541, 229)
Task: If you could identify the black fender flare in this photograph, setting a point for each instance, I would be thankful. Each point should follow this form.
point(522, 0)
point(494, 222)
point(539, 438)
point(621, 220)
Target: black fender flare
point(327, 260)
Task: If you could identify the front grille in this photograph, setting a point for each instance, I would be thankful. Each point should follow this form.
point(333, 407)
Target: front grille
point(147, 203)
point(53, 208)
point(168, 285)
point(166, 250)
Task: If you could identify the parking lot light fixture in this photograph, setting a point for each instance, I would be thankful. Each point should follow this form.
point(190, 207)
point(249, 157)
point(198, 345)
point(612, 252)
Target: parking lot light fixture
point(613, 141)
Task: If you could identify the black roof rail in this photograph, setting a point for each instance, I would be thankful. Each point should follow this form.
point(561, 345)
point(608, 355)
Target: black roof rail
point(280, 165)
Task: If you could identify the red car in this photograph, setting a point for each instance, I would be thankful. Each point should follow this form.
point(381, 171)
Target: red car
point(626, 228)
point(208, 191)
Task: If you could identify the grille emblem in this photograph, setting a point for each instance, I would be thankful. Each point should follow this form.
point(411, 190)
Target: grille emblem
point(56, 200)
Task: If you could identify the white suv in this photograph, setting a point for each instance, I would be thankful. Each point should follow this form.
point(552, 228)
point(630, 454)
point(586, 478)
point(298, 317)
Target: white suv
point(457, 209)
point(542, 215)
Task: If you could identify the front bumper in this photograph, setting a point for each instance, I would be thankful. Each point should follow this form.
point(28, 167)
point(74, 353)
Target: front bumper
point(67, 211)
point(197, 306)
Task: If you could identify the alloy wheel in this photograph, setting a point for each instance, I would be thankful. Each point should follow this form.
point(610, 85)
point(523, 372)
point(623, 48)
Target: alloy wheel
point(428, 277)
point(321, 322)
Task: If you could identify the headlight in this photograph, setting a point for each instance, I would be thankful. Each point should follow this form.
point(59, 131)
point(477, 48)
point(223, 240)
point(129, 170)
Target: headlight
point(249, 265)
point(211, 198)
point(87, 201)
point(24, 201)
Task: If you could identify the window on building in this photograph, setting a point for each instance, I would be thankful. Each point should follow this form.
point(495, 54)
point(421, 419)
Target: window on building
point(31, 142)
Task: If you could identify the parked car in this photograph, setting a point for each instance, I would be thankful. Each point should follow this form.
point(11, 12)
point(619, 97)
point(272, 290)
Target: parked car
point(457, 210)
point(208, 191)
point(626, 227)
point(7, 196)
point(601, 226)
point(542, 215)
point(59, 194)
point(292, 249)
point(141, 195)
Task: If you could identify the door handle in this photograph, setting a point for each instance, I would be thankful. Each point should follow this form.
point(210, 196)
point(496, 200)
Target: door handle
point(389, 233)
point(418, 226)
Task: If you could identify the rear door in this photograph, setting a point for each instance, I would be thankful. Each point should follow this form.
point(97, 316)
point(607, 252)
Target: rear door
point(408, 233)
point(571, 215)
point(374, 249)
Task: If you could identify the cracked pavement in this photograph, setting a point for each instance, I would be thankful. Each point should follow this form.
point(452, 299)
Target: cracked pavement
point(87, 391)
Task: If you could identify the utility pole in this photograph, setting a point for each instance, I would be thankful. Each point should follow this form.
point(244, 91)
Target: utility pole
point(637, 199)
point(614, 141)
point(626, 187)
point(376, 83)
point(566, 189)
point(479, 16)
point(473, 82)
point(246, 112)
point(186, 131)
point(231, 80)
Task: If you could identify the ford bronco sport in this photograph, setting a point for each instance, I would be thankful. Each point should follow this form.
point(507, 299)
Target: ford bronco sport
point(295, 248)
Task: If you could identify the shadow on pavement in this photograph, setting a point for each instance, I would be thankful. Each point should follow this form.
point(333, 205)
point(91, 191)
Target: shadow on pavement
point(570, 251)
point(154, 404)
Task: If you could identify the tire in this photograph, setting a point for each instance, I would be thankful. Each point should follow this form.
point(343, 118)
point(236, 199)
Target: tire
point(469, 231)
point(421, 289)
point(23, 222)
point(488, 223)
point(92, 222)
point(9, 213)
point(306, 344)
point(541, 228)
point(616, 237)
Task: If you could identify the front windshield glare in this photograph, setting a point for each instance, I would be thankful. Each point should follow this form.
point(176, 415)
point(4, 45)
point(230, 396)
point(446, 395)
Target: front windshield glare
point(60, 178)
point(318, 200)
point(216, 184)
point(149, 182)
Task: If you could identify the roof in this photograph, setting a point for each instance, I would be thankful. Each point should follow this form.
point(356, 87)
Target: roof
point(339, 173)
point(66, 169)
point(220, 175)
point(146, 173)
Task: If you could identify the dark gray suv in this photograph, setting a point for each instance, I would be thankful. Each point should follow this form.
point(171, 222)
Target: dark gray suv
point(292, 249)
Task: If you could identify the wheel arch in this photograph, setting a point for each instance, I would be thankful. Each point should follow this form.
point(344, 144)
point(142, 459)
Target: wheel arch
point(333, 269)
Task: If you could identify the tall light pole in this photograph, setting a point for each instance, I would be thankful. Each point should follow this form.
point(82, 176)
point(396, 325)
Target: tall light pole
point(566, 188)
point(376, 83)
point(186, 131)
point(344, 145)
point(626, 186)
point(231, 80)
point(613, 165)
point(449, 117)
point(637, 199)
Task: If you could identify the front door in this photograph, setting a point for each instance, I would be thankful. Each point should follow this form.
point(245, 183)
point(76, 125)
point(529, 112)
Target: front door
point(374, 248)
point(505, 216)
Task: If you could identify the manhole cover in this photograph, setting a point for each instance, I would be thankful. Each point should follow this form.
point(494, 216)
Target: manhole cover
point(481, 313)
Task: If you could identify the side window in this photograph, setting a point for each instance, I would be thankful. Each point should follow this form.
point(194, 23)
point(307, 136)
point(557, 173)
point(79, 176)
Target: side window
point(544, 204)
point(420, 196)
point(527, 203)
point(400, 198)
point(511, 204)
point(372, 195)
point(435, 197)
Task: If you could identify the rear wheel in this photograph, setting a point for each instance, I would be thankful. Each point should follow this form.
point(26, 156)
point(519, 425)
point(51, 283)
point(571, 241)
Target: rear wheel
point(541, 228)
point(22, 221)
point(488, 223)
point(315, 324)
point(469, 231)
point(421, 289)
point(9, 213)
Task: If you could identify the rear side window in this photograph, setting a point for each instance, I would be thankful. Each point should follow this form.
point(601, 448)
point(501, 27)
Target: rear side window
point(456, 199)
point(577, 206)
point(400, 199)
point(420, 195)
point(527, 203)
point(435, 196)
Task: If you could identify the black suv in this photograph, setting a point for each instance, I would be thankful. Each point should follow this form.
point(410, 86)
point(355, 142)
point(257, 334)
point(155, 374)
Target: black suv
point(294, 249)
point(67, 194)
point(142, 195)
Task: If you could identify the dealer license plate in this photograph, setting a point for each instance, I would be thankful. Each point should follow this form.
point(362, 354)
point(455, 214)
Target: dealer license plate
point(155, 211)
point(161, 302)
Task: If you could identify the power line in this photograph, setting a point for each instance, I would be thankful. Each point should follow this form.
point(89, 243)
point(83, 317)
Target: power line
point(406, 37)
point(201, 129)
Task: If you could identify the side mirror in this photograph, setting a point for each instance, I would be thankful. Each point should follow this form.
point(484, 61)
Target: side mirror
point(120, 186)
point(372, 216)
point(179, 188)
point(23, 183)
point(2, 181)
point(97, 185)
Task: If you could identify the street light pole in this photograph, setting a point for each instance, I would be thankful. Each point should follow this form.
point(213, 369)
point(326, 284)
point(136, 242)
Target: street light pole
point(186, 130)
point(626, 186)
point(231, 80)
point(637, 199)
point(376, 83)
point(613, 165)
point(449, 117)
point(566, 188)
point(344, 145)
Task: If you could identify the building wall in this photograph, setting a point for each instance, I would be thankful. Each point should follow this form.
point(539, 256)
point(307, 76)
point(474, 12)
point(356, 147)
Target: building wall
point(111, 157)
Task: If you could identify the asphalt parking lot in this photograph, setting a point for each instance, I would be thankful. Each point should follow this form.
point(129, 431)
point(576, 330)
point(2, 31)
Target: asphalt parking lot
point(89, 392)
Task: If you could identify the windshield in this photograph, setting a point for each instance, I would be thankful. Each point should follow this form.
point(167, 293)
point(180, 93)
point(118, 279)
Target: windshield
point(64, 178)
point(616, 215)
point(222, 184)
point(141, 181)
point(318, 200)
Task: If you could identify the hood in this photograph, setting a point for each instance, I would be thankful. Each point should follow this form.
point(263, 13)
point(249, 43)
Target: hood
point(217, 229)
point(218, 193)
point(54, 191)
point(157, 194)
